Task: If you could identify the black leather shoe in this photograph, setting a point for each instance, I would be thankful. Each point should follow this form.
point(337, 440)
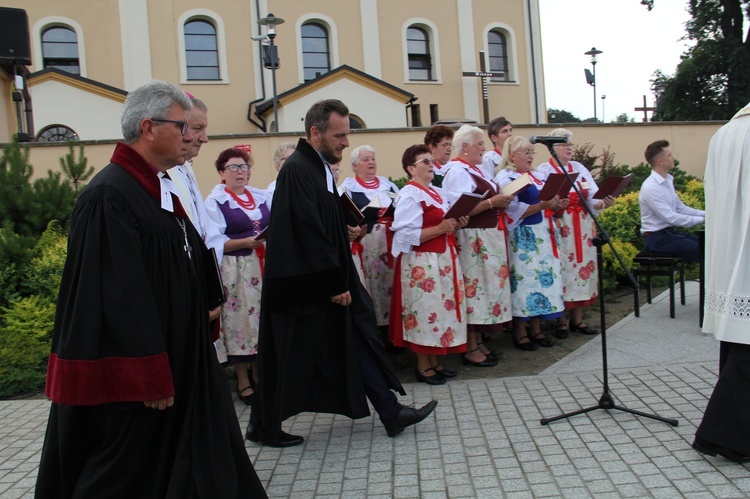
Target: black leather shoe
point(710, 449)
point(487, 362)
point(433, 379)
point(582, 329)
point(409, 416)
point(272, 439)
point(541, 340)
point(527, 346)
point(445, 373)
point(561, 331)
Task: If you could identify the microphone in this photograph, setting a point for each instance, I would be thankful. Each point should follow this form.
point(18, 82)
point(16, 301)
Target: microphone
point(547, 139)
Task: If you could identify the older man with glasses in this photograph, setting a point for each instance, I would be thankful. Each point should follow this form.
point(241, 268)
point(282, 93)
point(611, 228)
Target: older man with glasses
point(140, 405)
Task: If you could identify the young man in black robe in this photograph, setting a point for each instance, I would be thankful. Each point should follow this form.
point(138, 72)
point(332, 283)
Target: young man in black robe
point(318, 348)
point(140, 405)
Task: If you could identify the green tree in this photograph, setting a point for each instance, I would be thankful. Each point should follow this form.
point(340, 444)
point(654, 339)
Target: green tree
point(624, 118)
point(712, 80)
point(77, 170)
point(561, 116)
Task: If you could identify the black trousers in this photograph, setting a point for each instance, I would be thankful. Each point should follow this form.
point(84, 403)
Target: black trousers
point(383, 400)
point(725, 422)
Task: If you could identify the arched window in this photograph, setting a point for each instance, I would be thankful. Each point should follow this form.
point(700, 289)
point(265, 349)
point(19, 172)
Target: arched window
point(56, 133)
point(316, 58)
point(418, 49)
point(498, 53)
point(355, 122)
point(201, 51)
point(60, 49)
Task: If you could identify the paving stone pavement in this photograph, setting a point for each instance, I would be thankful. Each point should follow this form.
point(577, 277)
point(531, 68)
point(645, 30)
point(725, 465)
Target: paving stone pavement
point(486, 439)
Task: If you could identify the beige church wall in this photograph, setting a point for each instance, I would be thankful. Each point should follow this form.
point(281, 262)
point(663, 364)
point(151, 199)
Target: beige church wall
point(8, 123)
point(627, 141)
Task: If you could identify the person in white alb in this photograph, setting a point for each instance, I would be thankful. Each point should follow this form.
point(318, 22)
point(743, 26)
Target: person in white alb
point(662, 210)
point(724, 429)
point(184, 180)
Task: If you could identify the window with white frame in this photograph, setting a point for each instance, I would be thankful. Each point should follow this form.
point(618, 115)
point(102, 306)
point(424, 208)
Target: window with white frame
point(201, 50)
point(316, 55)
point(60, 49)
point(418, 50)
point(497, 45)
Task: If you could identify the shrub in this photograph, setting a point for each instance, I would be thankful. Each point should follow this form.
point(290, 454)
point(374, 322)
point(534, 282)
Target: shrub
point(613, 273)
point(693, 194)
point(44, 272)
point(400, 182)
point(622, 219)
point(25, 344)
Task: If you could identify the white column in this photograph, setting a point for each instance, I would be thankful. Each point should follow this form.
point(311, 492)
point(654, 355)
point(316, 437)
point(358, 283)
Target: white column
point(136, 43)
point(537, 101)
point(370, 37)
point(469, 58)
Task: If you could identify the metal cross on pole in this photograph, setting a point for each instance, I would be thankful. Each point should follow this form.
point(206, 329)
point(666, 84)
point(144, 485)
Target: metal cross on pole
point(645, 110)
point(484, 75)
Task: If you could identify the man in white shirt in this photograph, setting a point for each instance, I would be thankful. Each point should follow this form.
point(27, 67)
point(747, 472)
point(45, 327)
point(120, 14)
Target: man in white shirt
point(662, 210)
point(184, 180)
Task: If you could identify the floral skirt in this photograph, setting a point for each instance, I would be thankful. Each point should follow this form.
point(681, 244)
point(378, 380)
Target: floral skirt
point(535, 279)
point(484, 262)
point(431, 310)
point(378, 274)
point(580, 279)
point(240, 315)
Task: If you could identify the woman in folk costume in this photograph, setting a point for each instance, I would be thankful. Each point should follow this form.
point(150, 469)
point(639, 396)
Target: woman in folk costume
point(427, 311)
point(483, 247)
point(499, 130)
point(439, 138)
point(356, 233)
point(535, 275)
point(367, 188)
point(241, 213)
point(577, 231)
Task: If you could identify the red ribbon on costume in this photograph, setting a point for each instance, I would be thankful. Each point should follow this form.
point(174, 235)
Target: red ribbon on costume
point(451, 238)
point(503, 225)
point(575, 209)
point(358, 250)
point(550, 214)
point(261, 252)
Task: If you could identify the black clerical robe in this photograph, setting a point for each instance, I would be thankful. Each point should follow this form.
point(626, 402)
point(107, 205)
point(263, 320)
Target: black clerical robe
point(306, 353)
point(132, 326)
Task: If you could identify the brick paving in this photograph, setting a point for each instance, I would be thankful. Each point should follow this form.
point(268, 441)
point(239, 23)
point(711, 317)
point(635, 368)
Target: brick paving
point(486, 440)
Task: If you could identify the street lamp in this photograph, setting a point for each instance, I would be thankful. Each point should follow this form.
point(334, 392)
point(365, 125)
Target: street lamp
point(591, 78)
point(270, 22)
point(603, 97)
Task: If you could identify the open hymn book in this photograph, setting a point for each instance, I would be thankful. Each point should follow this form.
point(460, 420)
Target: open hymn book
point(519, 184)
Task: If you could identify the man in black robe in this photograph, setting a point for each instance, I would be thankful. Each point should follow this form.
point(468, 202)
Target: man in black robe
point(140, 405)
point(318, 348)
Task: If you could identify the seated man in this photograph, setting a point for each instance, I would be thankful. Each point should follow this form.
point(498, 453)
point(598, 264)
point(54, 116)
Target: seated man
point(662, 210)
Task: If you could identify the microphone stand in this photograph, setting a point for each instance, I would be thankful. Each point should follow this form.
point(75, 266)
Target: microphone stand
point(606, 401)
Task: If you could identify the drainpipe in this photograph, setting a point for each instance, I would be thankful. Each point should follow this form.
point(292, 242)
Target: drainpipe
point(262, 79)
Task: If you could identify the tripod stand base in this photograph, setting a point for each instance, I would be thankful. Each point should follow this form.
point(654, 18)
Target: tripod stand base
point(607, 402)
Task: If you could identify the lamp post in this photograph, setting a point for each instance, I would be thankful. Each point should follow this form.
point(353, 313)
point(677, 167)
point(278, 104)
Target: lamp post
point(270, 22)
point(591, 78)
point(603, 97)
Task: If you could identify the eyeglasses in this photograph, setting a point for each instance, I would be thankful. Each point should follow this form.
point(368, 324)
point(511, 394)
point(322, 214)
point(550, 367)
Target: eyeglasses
point(233, 168)
point(426, 161)
point(566, 144)
point(183, 124)
point(527, 152)
point(447, 145)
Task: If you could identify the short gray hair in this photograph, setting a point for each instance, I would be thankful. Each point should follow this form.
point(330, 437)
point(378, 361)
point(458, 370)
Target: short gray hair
point(151, 100)
point(280, 150)
point(199, 104)
point(465, 134)
point(357, 151)
point(562, 132)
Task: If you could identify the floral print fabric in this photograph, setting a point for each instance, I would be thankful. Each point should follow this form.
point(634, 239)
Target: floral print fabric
point(535, 275)
point(430, 313)
point(486, 274)
point(240, 315)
